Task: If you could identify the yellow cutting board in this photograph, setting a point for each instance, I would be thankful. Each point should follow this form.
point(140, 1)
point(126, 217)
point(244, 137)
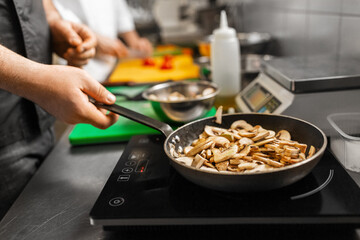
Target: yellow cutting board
point(135, 72)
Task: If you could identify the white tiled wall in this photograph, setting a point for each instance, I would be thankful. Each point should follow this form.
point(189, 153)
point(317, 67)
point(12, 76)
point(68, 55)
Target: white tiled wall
point(303, 27)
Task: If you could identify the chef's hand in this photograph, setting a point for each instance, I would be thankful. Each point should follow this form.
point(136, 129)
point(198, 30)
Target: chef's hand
point(74, 42)
point(134, 41)
point(63, 91)
point(110, 46)
point(143, 45)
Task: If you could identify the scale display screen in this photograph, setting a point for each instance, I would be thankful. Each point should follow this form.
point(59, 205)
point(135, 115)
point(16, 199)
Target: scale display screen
point(258, 99)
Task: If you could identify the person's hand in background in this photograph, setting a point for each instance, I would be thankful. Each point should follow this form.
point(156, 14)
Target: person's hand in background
point(137, 43)
point(142, 45)
point(110, 46)
point(74, 42)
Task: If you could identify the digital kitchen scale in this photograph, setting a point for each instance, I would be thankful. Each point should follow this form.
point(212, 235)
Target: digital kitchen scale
point(145, 191)
point(309, 88)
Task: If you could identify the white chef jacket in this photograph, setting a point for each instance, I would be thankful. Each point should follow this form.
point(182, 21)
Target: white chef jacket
point(104, 17)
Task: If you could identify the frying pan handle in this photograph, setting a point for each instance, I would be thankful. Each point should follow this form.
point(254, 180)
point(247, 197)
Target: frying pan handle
point(135, 116)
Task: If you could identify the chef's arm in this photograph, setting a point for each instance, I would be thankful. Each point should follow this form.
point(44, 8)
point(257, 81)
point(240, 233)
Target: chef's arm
point(74, 42)
point(61, 90)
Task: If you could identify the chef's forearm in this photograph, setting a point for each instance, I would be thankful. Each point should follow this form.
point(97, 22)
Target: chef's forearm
point(17, 74)
point(130, 37)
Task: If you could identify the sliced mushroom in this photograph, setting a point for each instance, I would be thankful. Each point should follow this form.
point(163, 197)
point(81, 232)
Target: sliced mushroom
point(243, 152)
point(208, 154)
point(286, 142)
point(271, 134)
point(220, 141)
point(269, 161)
point(258, 129)
point(302, 156)
point(261, 135)
point(241, 124)
point(260, 168)
point(248, 159)
point(218, 115)
point(277, 148)
point(198, 161)
point(245, 133)
point(290, 160)
point(234, 133)
point(235, 161)
point(187, 149)
point(232, 168)
point(264, 142)
point(301, 146)
point(291, 152)
point(222, 166)
point(174, 153)
point(172, 150)
point(185, 160)
point(199, 147)
point(198, 141)
point(208, 164)
point(283, 135)
point(245, 141)
point(261, 154)
point(213, 131)
point(227, 154)
point(247, 166)
point(228, 136)
point(311, 151)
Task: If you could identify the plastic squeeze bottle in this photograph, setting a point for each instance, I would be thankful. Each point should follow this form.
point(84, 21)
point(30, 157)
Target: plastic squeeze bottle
point(225, 63)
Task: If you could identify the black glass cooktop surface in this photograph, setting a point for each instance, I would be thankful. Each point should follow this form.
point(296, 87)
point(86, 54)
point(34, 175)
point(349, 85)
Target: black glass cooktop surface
point(144, 190)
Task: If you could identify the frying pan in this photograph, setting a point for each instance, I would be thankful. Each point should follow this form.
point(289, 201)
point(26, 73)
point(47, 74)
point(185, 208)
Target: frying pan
point(301, 131)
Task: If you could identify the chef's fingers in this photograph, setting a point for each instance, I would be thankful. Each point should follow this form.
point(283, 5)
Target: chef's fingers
point(89, 40)
point(145, 46)
point(71, 53)
point(99, 117)
point(70, 34)
point(79, 59)
point(100, 120)
point(78, 63)
point(120, 50)
point(97, 91)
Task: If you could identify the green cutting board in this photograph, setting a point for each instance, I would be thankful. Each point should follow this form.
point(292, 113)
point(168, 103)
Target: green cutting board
point(124, 128)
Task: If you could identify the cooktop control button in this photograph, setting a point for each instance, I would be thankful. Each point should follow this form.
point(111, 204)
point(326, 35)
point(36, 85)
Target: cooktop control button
point(123, 178)
point(138, 155)
point(127, 170)
point(117, 201)
point(130, 163)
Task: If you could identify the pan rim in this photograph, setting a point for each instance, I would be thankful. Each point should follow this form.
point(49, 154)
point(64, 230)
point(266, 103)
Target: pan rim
point(275, 170)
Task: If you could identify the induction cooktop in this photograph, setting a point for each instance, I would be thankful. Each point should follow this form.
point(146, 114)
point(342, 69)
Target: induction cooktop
point(144, 190)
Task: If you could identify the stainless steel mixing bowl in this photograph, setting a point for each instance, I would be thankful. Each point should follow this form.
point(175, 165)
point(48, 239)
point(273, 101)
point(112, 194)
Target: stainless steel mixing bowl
point(185, 110)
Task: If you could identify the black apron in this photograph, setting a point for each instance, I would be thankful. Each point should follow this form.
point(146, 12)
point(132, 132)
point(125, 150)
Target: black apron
point(26, 134)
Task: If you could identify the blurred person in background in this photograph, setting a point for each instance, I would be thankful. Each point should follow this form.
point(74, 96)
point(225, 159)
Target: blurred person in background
point(110, 20)
point(33, 92)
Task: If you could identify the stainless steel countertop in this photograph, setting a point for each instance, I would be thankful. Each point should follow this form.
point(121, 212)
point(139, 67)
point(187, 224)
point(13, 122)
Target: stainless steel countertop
point(57, 201)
